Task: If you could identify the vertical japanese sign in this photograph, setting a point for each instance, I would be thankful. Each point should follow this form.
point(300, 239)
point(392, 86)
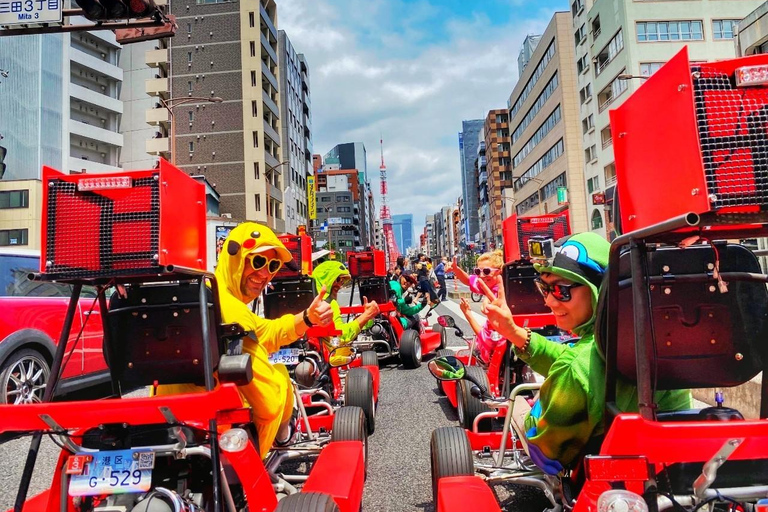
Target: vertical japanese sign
point(562, 195)
point(16, 12)
point(311, 198)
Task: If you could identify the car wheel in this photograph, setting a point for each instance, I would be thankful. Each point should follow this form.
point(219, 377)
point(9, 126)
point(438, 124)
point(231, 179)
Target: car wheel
point(349, 425)
point(443, 336)
point(307, 502)
point(369, 358)
point(359, 392)
point(470, 407)
point(450, 455)
point(23, 377)
point(410, 349)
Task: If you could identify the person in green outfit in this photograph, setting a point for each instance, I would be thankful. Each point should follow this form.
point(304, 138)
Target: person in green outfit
point(333, 275)
point(408, 310)
point(569, 411)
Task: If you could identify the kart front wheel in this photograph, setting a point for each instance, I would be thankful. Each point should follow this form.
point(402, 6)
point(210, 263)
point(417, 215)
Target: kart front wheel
point(307, 502)
point(349, 425)
point(470, 407)
point(450, 455)
point(359, 392)
point(443, 336)
point(23, 377)
point(369, 358)
point(410, 349)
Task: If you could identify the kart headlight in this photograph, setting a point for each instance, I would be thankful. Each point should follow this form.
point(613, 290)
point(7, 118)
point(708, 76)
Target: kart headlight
point(233, 440)
point(617, 500)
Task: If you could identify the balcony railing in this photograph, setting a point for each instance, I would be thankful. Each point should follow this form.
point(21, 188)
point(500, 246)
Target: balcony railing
point(607, 142)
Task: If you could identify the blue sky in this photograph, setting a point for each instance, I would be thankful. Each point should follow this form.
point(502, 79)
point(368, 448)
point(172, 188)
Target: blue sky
point(411, 70)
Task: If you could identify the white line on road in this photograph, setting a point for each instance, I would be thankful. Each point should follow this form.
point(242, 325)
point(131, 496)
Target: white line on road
point(455, 309)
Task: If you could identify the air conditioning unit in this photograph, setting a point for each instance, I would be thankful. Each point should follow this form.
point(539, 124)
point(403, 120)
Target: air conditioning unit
point(226, 215)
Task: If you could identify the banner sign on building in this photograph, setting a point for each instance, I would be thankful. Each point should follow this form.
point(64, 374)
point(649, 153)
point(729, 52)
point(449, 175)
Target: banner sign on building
point(562, 195)
point(311, 198)
point(222, 232)
point(15, 12)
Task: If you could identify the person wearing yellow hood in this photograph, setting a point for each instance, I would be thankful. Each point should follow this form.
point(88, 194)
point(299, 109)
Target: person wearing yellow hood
point(329, 277)
point(251, 256)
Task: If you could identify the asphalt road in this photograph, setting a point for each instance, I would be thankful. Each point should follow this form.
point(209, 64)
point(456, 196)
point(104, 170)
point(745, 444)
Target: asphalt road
point(399, 471)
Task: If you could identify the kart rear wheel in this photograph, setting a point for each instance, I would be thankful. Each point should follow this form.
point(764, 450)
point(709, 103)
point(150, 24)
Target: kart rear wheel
point(468, 406)
point(359, 392)
point(443, 335)
point(442, 353)
point(308, 502)
point(369, 358)
point(23, 377)
point(410, 349)
point(450, 455)
point(349, 425)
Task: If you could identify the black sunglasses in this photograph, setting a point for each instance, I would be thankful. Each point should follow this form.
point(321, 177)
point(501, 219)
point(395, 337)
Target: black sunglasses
point(561, 292)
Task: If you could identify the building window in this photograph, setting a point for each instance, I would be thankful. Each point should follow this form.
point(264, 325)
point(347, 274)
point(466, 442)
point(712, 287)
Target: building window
point(255, 139)
point(609, 52)
point(537, 137)
point(191, 115)
point(590, 154)
point(597, 219)
point(549, 89)
point(191, 147)
point(325, 199)
point(253, 48)
point(189, 28)
point(253, 79)
point(576, 7)
point(189, 56)
point(251, 19)
point(257, 197)
point(587, 124)
point(534, 78)
point(580, 34)
point(593, 184)
point(189, 86)
point(649, 68)
point(14, 199)
point(256, 171)
point(585, 94)
point(542, 163)
point(255, 108)
point(14, 237)
point(669, 31)
point(723, 29)
point(583, 63)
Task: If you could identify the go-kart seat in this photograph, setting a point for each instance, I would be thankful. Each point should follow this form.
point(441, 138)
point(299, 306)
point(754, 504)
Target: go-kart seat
point(374, 289)
point(700, 338)
point(156, 335)
point(286, 296)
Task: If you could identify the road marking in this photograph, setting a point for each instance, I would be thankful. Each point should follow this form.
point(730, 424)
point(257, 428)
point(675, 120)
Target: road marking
point(455, 309)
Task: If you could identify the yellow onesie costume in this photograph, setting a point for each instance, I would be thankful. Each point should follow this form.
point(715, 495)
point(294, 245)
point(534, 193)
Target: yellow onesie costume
point(269, 393)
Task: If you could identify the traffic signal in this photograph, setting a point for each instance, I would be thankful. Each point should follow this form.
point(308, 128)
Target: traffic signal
point(3, 152)
point(101, 10)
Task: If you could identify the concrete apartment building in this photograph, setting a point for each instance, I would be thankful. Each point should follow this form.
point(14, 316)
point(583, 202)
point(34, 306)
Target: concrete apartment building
point(469, 140)
point(545, 131)
point(296, 131)
point(61, 109)
point(636, 38)
point(752, 32)
point(227, 50)
point(498, 173)
point(429, 247)
point(340, 194)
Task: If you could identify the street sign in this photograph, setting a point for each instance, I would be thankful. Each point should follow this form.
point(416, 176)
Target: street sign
point(562, 195)
point(335, 221)
point(29, 12)
point(311, 198)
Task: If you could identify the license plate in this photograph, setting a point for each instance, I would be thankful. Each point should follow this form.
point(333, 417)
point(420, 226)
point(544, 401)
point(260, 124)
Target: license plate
point(114, 472)
point(286, 356)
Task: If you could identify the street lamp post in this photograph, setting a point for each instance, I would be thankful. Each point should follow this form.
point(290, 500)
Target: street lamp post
point(181, 101)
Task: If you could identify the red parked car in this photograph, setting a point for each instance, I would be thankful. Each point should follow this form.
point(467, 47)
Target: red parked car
point(31, 317)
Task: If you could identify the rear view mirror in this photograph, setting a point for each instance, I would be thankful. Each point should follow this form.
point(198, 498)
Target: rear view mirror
point(335, 362)
point(446, 368)
point(446, 321)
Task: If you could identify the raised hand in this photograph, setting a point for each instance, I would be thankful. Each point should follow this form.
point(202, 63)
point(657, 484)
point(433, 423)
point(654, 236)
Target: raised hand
point(464, 305)
point(320, 312)
point(497, 311)
point(371, 308)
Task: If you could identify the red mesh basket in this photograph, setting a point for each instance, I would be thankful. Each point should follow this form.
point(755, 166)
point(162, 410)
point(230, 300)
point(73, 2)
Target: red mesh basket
point(518, 230)
point(121, 224)
point(367, 264)
point(301, 249)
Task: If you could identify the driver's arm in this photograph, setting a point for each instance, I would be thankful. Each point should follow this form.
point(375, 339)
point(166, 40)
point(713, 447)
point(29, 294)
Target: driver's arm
point(541, 353)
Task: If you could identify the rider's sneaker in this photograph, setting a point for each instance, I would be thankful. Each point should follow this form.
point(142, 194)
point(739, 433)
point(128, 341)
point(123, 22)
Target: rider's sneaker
point(291, 433)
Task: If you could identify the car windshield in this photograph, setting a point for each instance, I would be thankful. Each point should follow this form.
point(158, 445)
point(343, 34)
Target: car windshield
point(14, 280)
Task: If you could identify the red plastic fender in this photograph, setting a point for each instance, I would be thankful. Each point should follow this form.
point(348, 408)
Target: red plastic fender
point(430, 341)
point(38, 503)
point(449, 388)
point(376, 379)
point(454, 493)
point(316, 422)
point(490, 440)
point(256, 482)
point(340, 472)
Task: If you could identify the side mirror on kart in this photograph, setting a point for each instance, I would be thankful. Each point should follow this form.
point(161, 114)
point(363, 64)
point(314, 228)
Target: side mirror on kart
point(336, 362)
point(236, 369)
point(446, 321)
point(446, 368)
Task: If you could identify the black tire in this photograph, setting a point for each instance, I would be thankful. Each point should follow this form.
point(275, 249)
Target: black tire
point(349, 425)
point(410, 349)
point(369, 358)
point(358, 391)
point(443, 336)
point(450, 455)
point(13, 389)
point(468, 406)
point(307, 502)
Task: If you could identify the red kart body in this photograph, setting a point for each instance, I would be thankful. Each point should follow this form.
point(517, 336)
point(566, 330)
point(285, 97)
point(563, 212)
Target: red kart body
point(338, 470)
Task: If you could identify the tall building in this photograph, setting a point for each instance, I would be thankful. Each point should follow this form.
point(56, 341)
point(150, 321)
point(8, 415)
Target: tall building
point(60, 108)
point(228, 50)
point(545, 130)
point(350, 155)
point(498, 173)
point(402, 227)
point(339, 197)
point(468, 144)
point(296, 132)
point(636, 38)
point(430, 241)
point(526, 51)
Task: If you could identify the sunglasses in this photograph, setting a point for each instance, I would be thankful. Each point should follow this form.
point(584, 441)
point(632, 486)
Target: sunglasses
point(483, 271)
point(258, 262)
point(561, 292)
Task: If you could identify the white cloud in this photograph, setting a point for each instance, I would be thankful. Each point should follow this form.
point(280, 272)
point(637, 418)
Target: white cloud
point(372, 73)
